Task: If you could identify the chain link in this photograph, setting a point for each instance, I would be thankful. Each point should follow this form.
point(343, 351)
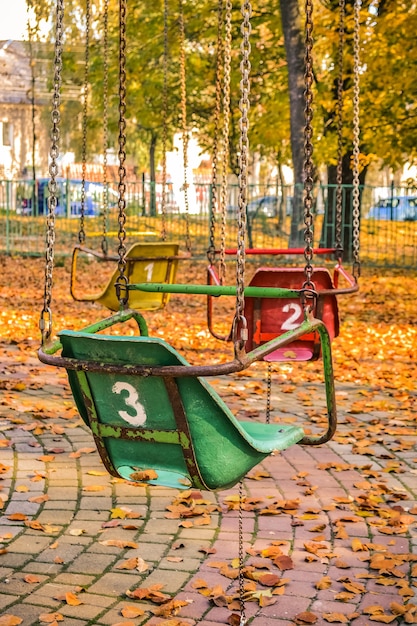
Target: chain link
point(308, 144)
point(339, 168)
point(213, 197)
point(104, 243)
point(242, 621)
point(45, 323)
point(122, 279)
point(268, 393)
point(81, 234)
point(356, 139)
point(164, 126)
point(244, 105)
point(226, 126)
point(185, 136)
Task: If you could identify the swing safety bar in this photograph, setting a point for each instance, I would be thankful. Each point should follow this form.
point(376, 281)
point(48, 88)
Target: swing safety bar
point(220, 290)
point(279, 251)
point(339, 270)
point(241, 361)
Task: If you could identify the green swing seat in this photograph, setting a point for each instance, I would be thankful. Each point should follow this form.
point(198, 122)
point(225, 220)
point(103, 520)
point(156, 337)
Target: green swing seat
point(160, 428)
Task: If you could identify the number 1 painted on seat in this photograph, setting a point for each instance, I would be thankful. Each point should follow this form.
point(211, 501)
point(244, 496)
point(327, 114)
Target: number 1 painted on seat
point(149, 271)
point(132, 400)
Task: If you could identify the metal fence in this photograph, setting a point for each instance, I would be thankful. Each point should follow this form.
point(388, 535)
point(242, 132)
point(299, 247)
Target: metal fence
point(388, 224)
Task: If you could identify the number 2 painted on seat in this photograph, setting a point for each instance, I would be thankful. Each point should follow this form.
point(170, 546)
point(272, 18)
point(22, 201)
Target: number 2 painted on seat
point(132, 400)
point(293, 321)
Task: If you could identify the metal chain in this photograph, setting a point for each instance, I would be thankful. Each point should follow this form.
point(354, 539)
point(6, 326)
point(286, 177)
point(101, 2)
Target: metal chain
point(226, 126)
point(81, 234)
point(244, 105)
point(268, 393)
point(356, 140)
point(45, 322)
point(213, 198)
point(104, 242)
point(339, 168)
point(123, 280)
point(165, 126)
point(185, 137)
point(241, 557)
point(308, 144)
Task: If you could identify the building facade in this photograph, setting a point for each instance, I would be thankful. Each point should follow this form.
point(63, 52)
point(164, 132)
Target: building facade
point(24, 140)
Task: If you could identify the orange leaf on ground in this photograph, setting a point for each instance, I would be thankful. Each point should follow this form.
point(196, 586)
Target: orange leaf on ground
point(39, 499)
point(50, 618)
point(305, 618)
point(324, 583)
point(119, 543)
point(336, 617)
point(186, 524)
point(10, 620)
point(169, 608)
point(129, 564)
point(131, 611)
point(151, 593)
point(31, 579)
point(78, 453)
point(269, 580)
point(72, 599)
point(344, 596)
point(284, 562)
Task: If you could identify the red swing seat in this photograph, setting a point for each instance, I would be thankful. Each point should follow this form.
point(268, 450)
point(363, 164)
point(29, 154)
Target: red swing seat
point(270, 317)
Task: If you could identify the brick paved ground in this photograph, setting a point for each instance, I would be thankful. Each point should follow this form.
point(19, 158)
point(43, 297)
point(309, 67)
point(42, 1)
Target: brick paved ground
point(345, 513)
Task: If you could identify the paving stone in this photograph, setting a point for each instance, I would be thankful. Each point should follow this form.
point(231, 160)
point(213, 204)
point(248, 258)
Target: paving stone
point(114, 616)
point(37, 567)
point(29, 613)
point(173, 582)
point(116, 584)
point(188, 565)
point(16, 584)
point(7, 600)
point(91, 563)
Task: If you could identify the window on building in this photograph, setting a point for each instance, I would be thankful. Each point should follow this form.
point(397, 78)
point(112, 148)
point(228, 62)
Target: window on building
point(7, 132)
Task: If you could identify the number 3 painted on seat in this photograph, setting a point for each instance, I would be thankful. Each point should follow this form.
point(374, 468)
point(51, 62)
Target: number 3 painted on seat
point(291, 322)
point(132, 400)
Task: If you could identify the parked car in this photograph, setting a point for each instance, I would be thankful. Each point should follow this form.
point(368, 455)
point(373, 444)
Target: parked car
point(265, 205)
point(396, 209)
point(68, 198)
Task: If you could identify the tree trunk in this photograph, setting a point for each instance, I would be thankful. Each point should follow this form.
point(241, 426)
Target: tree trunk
point(294, 48)
point(152, 172)
point(329, 228)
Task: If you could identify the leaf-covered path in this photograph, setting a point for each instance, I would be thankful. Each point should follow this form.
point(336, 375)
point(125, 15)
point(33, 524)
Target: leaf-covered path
point(330, 533)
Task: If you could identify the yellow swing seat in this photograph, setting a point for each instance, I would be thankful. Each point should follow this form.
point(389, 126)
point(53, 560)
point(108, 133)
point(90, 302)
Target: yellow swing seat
point(145, 262)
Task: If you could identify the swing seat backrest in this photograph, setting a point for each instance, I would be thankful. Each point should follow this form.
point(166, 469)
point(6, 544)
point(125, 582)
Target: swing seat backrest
point(175, 432)
point(145, 262)
point(271, 317)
